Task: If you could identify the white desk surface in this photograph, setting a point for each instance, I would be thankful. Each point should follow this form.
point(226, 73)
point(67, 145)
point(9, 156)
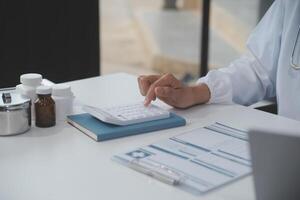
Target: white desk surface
point(61, 163)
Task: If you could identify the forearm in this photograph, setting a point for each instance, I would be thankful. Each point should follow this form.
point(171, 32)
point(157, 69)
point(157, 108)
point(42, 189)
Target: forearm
point(244, 81)
point(250, 81)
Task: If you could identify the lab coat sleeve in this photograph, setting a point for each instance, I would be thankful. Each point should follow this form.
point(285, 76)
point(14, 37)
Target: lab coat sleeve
point(252, 77)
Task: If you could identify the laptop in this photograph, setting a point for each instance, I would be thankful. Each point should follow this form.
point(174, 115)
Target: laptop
point(276, 165)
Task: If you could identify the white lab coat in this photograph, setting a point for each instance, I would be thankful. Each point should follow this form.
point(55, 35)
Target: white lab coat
point(265, 72)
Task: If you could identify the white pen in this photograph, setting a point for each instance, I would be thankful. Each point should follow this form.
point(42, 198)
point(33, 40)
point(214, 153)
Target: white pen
point(160, 173)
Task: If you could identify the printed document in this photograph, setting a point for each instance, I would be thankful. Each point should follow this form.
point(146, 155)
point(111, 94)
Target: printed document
point(201, 159)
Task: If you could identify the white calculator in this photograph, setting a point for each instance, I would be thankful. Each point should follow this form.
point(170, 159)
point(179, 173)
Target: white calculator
point(128, 114)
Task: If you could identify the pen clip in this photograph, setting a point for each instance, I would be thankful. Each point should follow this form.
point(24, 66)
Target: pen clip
point(157, 170)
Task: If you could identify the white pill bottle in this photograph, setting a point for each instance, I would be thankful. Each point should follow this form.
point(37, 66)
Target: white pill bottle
point(64, 100)
point(29, 83)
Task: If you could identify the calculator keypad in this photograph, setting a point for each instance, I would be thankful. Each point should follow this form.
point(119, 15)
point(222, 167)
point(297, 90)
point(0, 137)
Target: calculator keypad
point(135, 111)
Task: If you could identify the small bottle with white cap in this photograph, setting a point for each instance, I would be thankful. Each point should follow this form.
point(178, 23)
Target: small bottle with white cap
point(44, 107)
point(29, 83)
point(63, 97)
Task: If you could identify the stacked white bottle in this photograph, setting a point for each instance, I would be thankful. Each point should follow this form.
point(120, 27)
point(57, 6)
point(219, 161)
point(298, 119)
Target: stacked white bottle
point(29, 83)
point(64, 98)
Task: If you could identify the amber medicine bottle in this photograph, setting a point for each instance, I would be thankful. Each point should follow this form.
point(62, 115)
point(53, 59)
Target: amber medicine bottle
point(44, 107)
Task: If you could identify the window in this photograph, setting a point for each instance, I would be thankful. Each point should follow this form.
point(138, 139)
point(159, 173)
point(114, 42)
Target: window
point(147, 37)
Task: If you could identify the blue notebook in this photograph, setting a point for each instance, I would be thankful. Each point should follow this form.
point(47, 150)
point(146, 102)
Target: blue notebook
point(101, 131)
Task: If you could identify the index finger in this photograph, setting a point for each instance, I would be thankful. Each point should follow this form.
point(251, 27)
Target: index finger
point(166, 80)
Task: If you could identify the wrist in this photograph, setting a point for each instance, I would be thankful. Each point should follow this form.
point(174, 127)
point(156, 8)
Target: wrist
point(201, 93)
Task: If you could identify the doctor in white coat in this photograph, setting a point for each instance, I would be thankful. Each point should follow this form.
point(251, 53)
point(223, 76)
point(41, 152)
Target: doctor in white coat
point(271, 68)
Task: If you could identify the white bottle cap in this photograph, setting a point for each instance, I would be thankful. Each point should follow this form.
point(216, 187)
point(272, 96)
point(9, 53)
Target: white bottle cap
point(31, 79)
point(61, 90)
point(43, 90)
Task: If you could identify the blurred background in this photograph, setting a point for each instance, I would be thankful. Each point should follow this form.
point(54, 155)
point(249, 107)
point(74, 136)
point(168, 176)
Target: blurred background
point(159, 36)
point(68, 40)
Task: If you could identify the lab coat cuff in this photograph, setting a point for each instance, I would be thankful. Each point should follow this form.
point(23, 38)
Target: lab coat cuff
point(205, 80)
point(220, 87)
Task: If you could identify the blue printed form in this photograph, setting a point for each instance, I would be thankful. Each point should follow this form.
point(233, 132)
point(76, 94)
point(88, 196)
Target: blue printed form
point(199, 160)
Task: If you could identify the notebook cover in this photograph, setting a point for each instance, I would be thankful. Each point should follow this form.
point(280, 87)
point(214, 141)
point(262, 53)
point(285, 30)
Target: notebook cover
point(101, 131)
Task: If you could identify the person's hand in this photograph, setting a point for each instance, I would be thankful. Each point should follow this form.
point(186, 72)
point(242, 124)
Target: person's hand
point(171, 91)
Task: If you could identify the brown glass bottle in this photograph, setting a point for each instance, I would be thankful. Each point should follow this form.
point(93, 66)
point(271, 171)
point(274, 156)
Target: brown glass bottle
point(44, 108)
